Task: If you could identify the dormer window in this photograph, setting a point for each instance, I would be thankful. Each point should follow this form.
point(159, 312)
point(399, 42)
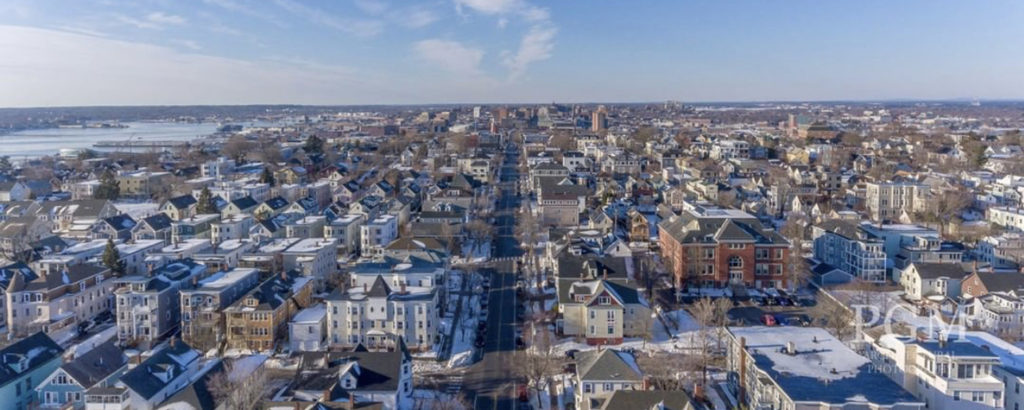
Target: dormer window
point(604, 300)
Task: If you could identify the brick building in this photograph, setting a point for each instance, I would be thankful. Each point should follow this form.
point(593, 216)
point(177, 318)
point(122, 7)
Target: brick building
point(707, 245)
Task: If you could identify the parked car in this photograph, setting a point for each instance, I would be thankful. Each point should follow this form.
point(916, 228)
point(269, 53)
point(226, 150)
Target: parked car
point(571, 353)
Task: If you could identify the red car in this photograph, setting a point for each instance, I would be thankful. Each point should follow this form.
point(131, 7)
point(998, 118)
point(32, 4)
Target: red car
point(768, 320)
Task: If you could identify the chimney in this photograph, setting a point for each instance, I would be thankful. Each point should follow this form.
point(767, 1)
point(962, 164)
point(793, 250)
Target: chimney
point(326, 395)
point(790, 348)
point(284, 276)
point(698, 391)
point(975, 266)
point(173, 341)
point(943, 339)
point(351, 400)
point(401, 288)
point(365, 288)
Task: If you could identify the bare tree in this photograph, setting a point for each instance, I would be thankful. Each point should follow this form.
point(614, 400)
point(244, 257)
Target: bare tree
point(666, 371)
point(238, 388)
point(236, 147)
point(538, 361)
point(835, 318)
point(711, 318)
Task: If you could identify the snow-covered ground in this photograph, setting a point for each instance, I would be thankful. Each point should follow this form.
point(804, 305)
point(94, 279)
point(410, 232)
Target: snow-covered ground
point(433, 399)
point(473, 253)
point(677, 340)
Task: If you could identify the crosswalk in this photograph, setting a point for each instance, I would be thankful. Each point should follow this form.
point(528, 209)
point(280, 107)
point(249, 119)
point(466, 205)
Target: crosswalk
point(505, 259)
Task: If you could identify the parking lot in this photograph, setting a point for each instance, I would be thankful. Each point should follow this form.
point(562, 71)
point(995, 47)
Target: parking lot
point(775, 308)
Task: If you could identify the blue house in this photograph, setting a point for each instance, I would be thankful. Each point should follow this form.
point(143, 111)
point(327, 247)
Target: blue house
point(23, 365)
point(99, 367)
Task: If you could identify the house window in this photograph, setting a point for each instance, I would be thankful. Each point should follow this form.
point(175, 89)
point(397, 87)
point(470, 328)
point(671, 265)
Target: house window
point(608, 387)
point(604, 300)
point(611, 329)
point(587, 388)
point(735, 262)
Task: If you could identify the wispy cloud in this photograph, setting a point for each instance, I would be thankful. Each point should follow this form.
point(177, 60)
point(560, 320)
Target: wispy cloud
point(160, 17)
point(359, 27)
point(536, 45)
point(248, 10)
point(152, 21)
point(450, 55)
point(372, 7)
point(62, 68)
point(415, 17)
point(189, 44)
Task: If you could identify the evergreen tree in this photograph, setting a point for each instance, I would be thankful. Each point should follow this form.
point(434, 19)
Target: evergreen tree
point(205, 203)
point(314, 145)
point(5, 164)
point(112, 259)
point(109, 188)
point(268, 177)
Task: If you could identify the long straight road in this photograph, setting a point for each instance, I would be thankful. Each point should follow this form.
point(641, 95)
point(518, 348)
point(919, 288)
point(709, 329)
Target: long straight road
point(490, 383)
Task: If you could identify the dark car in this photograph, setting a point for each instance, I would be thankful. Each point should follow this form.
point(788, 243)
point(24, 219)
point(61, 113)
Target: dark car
point(571, 353)
point(760, 301)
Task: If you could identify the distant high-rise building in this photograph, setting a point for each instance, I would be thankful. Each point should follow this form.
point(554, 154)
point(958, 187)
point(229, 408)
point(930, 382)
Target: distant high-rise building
point(599, 119)
point(476, 112)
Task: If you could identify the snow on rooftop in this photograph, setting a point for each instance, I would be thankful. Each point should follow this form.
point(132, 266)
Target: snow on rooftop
point(311, 245)
point(225, 279)
point(818, 353)
point(313, 313)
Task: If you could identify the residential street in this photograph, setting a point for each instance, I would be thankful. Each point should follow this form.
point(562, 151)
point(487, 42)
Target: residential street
point(490, 383)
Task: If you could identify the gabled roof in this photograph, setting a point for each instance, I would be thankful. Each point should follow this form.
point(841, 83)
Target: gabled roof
point(276, 203)
point(33, 351)
point(120, 222)
point(1001, 282)
point(158, 221)
point(182, 202)
point(648, 400)
point(380, 288)
point(939, 270)
point(144, 379)
point(96, 365)
point(607, 364)
point(245, 202)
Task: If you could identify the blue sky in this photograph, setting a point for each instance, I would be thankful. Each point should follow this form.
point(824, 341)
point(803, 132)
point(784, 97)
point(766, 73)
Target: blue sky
point(107, 52)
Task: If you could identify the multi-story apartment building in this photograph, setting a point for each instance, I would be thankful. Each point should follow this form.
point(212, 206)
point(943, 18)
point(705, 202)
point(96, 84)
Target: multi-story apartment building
point(714, 246)
point(377, 233)
point(202, 322)
point(905, 244)
point(195, 227)
point(411, 271)
point(314, 257)
point(728, 149)
point(142, 183)
point(231, 227)
point(306, 227)
point(378, 317)
point(56, 302)
point(1011, 218)
point(346, 230)
point(999, 312)
point(603, 312)
point(888, 201)
point(259, 319)
point(805, 368)
point(845, 246)
point(148, 305)
point(944, 373)
point(1001, 252)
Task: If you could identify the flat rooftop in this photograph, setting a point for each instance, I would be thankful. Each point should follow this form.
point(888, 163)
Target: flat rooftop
point(822, 369)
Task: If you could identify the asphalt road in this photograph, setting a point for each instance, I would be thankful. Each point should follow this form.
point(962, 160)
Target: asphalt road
point(490, 383)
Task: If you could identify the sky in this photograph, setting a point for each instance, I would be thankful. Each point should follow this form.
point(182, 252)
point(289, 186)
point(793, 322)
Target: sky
point(184, 52)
